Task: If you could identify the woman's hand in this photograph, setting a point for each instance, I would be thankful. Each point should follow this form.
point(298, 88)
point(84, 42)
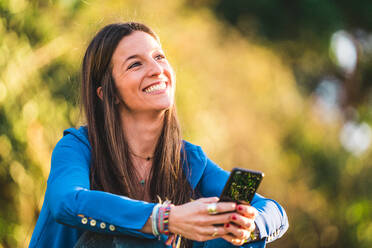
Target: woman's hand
point(193, 221)
point(241, 225)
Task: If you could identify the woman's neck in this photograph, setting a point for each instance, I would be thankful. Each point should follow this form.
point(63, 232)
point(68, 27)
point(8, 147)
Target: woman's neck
point(142, 132)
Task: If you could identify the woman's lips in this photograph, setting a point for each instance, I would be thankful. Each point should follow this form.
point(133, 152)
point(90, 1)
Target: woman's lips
point(158, 86)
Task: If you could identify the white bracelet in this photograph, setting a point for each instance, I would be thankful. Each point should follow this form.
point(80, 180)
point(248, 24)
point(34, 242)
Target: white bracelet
point(154, 220)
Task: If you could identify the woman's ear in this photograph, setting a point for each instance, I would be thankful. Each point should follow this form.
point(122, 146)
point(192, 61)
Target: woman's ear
point(99, 92)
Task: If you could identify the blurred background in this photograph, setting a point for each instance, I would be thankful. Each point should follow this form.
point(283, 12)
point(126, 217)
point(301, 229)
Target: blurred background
point(278, 86)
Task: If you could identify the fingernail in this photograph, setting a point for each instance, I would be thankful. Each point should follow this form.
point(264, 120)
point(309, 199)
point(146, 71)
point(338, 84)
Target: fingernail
point(240, 208)
point(233, 217)
point(227, 225)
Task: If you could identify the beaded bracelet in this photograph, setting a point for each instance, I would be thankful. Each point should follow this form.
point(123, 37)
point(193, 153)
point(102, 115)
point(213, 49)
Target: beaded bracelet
point(163, 216)
point(160, 224)
point(165, 213)
point(160, 218)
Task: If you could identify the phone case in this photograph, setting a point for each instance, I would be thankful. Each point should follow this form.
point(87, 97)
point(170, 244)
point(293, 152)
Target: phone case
point(241, 185)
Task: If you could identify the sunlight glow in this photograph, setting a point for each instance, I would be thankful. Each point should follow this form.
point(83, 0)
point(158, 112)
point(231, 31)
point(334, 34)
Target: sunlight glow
point(344, 50)
point(356, 138)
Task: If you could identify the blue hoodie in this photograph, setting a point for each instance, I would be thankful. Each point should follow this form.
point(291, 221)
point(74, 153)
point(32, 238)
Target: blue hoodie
point(70, 207)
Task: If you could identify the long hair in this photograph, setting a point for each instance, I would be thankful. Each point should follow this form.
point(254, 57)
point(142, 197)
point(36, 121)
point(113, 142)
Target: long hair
point(111, 168)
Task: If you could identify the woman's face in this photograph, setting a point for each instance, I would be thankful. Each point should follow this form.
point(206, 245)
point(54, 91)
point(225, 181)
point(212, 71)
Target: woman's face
point(143, 77)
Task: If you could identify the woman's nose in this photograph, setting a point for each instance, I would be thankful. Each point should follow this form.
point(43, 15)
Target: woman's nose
point(155, 68)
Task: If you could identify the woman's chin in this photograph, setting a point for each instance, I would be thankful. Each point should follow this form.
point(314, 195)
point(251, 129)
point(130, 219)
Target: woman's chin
point(163, 105)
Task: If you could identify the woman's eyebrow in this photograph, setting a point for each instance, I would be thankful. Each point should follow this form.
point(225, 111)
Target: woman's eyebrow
point(137, 56)
point(131, 57)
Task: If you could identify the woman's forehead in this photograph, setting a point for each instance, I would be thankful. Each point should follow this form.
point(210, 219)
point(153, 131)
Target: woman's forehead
point(137, 42)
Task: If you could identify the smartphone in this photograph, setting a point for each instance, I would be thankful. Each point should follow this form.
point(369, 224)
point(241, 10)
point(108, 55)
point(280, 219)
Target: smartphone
point(241, 186)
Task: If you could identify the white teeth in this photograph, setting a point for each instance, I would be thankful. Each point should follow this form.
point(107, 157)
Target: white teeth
point(153, 88)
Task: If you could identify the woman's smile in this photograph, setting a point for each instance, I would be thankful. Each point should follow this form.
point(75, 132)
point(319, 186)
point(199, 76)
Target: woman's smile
point(156, 88)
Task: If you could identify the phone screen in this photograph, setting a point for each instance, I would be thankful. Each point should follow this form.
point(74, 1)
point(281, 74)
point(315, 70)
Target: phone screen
point(241, 186)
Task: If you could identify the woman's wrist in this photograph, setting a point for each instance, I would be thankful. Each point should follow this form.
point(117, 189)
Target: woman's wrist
point(160, 218)
point(147, 228)
point(172, 226)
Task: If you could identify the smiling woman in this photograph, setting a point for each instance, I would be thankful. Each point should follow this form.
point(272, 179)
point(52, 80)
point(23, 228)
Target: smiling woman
point(127, 179)
point(143, 77)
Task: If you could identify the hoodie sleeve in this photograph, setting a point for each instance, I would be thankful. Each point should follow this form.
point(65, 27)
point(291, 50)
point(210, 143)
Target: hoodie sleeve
point(271, 221)
point(71, 202)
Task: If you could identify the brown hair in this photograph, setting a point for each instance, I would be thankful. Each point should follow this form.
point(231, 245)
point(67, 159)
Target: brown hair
point(111, 167)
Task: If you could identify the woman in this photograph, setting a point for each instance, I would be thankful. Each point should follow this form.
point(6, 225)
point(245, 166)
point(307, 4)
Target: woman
point(108, 177)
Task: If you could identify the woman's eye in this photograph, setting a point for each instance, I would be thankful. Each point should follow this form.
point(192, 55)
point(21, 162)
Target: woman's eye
point(160, 56)
point(134, 65)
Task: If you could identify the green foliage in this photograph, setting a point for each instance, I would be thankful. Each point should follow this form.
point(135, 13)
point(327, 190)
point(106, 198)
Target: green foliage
point(300, 31)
